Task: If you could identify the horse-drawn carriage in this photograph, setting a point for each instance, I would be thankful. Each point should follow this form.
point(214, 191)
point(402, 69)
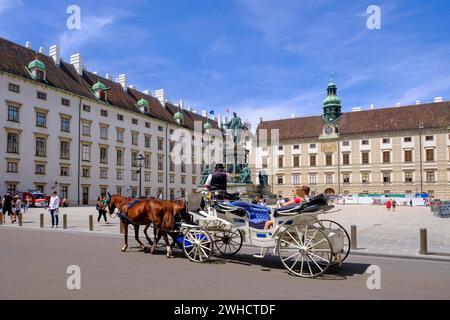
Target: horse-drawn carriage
point(306, 245)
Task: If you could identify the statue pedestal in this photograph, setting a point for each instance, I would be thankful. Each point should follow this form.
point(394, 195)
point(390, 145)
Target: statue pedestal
point(249, 191)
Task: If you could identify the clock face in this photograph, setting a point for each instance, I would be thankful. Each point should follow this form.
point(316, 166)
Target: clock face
point(328, 130)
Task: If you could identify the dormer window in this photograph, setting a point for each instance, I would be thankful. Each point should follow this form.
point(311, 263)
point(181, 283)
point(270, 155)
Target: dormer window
point(100, 90)
point(143, 105)
point(37, 69)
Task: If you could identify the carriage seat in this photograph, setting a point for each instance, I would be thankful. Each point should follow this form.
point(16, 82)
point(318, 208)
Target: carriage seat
point(222, 208)
point(295, 209)
point(257, 215)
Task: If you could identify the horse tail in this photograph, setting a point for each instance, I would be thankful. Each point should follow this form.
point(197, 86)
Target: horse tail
point(168, 220)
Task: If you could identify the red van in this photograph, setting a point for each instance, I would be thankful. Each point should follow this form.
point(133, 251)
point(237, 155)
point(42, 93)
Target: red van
point(37, 198)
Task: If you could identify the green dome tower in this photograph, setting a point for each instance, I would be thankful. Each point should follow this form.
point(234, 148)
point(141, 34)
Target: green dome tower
point(331, 104)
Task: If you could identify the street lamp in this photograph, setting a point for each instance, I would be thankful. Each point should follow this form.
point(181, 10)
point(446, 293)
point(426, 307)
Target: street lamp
point(140, 158)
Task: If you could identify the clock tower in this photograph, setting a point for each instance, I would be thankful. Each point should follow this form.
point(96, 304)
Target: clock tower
point(331, 113)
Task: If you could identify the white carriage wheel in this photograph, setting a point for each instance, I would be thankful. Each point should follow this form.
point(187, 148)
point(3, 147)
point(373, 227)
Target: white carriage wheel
point(197, 245)
point(305, 250)
point(228, 242)
point(330, 224)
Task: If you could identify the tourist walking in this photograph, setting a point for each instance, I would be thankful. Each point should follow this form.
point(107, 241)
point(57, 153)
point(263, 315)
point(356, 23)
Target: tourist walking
point(53, 208)
point(17, 206)
point(388, 205)
point(410, 202)
point(101, 208)
point(394, 204)
point(7, 206)
point(26, 204)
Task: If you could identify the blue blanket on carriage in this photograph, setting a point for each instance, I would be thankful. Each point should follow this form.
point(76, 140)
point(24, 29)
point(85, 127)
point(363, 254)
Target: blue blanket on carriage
point(257, 215)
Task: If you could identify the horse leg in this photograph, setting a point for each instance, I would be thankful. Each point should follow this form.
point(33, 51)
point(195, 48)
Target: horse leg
point(168, 246)
point(146, 234)
point(136, 236)
point(157, 234)
point(125, 234)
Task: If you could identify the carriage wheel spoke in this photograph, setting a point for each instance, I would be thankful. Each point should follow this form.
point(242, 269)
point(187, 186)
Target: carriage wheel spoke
point(299, 236)
point(309, 267)
point(321, 270)
point(290, 256)
point(301, 267)
point(315, 244)
point(293, 239)
point(290, 243)
point(206, 256)
point(296, 260)
point(321, 258)
point(310, 239)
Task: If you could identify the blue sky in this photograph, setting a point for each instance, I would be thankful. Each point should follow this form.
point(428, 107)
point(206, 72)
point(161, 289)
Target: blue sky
point(257, 57)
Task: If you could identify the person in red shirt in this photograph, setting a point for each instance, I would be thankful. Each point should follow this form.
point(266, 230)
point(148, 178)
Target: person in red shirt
point(388, 205)
point(299, 197)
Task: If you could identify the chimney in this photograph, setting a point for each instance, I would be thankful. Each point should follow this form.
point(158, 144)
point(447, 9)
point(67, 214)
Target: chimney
point(204, 113)
point(41, 50)
point(372, 107)
point(147, 92)
point(194, 111)
point(160, 94)
point(28, 45)
point(261, 119)
point(397, 104)
point(132, 86)
point(417, 102)
point(438, 99)
point(181, 104)
point(95, 72)
point(219, 120)
point(123, 80)
point(108, 76)
point(77, 61)
point(54, 52)
point(356, 109)
point(293, 116)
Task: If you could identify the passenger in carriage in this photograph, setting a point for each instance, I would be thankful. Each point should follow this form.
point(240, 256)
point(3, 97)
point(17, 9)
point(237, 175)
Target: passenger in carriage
point(299, 197)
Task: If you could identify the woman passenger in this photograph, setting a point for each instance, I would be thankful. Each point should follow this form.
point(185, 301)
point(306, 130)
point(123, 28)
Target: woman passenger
point(299, 197)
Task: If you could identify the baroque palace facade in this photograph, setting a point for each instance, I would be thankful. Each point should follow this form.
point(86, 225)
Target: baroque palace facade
point(68, 129)
point(386, 151)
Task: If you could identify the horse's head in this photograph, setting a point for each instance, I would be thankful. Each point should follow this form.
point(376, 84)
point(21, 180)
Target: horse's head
point(182, 209)
point(113, 202)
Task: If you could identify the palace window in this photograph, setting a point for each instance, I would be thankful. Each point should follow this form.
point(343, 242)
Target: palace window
point(296, 179)
point(386, 140)
point(119, 157)
point(65, 102)
point(14, 88)
point(365, 142)
point(11, 167)
point(429, 138)
point(119, 135)
point(346, 178)
point(312, 178)
point(86, 152)
point(280, 148)
point(134, 121)
point(65, 124)
point(86, 129)
point(408, 155)
point(41, 119)
point(408, 176)
point(104, 155)
point(134, 161)
point(103, 174)
point(280, 162)
point(407, 139)
point(64, 150)
point(147, 141)
point(160, 162)
point(386, 177)
point(40, 169)
point(365, 177)
point(345, 143)
point(279, 179)
point(119, 175)
point(104, 113)
point(64, 191)
point(12, 142)
point(86, 108)
point(13, 113)
point(429, 154)
point(41, 147)
point(296, 161)
point(120, 117)
point(430, 176)
point(346, 158)
point(386, 156)
point(312, 160)
point(104, 132)
point(328, 178)
point(147, 161)
point(64, 171)
point(296, 147)
point(147, 176)
point(147, 124)
point(365, 157)
point(41, 95)
point(328, 159)
point(160, 144)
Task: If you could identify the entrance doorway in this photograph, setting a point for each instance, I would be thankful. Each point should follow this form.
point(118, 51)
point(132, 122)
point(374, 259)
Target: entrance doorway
point(85, 195)
point(329, 191)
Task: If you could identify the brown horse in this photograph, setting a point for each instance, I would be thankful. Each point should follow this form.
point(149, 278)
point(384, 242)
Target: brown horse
point(174, 210)
point(145, 212)
point(121, 204)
